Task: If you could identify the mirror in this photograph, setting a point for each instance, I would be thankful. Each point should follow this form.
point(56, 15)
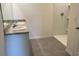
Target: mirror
point(7, 11)
point(7, 15)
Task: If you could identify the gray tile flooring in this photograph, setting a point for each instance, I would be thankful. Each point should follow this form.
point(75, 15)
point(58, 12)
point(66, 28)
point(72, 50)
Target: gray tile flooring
point(48, 47)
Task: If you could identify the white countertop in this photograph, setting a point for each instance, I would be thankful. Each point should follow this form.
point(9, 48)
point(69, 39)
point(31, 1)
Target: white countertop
point(10, 31)
point(20, 28)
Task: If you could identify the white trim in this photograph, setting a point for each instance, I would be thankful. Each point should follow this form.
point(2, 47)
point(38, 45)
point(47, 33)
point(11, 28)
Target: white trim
point(37, 37)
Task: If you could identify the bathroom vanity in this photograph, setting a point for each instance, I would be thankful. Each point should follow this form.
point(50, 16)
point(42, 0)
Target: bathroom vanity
point(16, 33)
point(17, 44)
point(17, 39)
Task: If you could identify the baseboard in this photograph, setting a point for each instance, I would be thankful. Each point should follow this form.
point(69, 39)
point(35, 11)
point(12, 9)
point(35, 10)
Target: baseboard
point(37, 37)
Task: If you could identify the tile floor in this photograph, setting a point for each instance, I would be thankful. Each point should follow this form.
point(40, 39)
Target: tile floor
point(48, 47)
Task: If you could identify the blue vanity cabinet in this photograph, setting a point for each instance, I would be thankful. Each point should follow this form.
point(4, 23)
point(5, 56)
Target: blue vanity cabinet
point(18, 44)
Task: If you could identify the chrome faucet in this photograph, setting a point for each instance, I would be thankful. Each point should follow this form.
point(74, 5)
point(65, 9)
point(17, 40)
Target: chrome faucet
point(14, 24)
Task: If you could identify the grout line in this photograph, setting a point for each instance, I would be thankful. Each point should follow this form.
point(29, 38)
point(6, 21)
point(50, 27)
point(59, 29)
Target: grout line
point(40, 46)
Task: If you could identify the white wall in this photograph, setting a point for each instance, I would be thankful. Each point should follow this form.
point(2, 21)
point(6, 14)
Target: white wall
point(39, 16)
point(17, 12)
point(60, 22)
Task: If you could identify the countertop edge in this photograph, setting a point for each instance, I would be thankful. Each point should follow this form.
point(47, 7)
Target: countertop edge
point(16, 33)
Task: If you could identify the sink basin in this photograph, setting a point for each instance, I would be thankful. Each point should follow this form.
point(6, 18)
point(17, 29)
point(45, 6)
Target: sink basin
point(19, 27)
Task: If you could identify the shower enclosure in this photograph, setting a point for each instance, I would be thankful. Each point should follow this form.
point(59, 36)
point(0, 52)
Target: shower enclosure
point(61, 19)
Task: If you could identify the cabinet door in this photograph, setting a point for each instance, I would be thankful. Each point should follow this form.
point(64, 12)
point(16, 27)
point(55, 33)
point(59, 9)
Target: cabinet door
point(18, 45)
